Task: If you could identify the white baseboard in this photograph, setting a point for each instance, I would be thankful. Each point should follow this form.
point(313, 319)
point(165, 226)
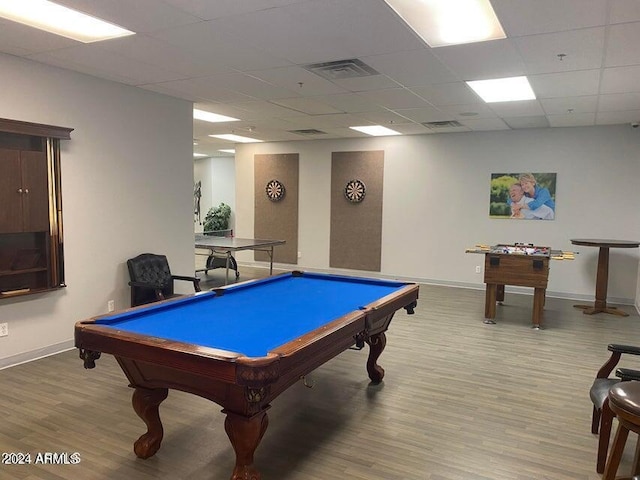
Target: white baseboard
point(36, 354)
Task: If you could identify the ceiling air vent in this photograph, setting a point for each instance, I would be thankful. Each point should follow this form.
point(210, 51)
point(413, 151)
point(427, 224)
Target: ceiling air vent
point(308, 131)
point(351, 68)
point(438, 125)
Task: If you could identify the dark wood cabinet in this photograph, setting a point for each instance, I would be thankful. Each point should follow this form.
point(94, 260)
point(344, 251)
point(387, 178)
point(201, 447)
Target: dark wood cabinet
point(24, 192)
point(31, 246)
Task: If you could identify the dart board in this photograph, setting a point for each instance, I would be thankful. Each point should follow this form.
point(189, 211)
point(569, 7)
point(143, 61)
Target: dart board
point(275, 190)
point(355, 191)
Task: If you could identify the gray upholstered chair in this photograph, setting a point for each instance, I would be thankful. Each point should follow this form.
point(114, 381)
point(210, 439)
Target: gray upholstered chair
point(151, 279)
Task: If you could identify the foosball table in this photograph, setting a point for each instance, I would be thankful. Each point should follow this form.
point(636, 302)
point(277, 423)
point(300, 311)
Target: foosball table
point(520, 264)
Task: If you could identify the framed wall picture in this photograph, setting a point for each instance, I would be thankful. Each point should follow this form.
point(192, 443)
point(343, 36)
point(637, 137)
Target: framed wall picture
point(523, 196)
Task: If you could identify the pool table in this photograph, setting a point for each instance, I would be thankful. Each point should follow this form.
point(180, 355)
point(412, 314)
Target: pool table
point(242, 345)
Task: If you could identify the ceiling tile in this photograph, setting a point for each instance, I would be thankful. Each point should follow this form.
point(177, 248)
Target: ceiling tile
point(467, 111)
point(298, 80)
point(568, 105)
point(572, 120)
point(411, 129)
point(569, 84)
point(157, 52)
point(484, 60)
point(523, 108)
point(350, 103)
point(582, 50)
point(349, 30)
point(387, 118)
point(208, 43)
point(614, 118)
point(424, 114)
point(623, 11)
point(366, 84)
point(528, 17)
point(325, 121)
point(620, 38)
point(202, 89)
point(484, 124)
point(262, 110)
point(411, 68)
point(395, 98)
point(209, 10)
point(447, 94)
point(250, 86)
point(619, 101)
point(90, 58)
point(306, 105)
point(527, 122)
point(621, 79)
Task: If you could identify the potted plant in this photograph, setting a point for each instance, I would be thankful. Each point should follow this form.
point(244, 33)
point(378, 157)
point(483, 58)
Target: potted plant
point(217, 220)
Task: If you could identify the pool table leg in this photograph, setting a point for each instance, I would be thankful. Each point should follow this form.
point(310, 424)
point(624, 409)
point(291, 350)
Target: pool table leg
point(245, 434)
point(146, 402)
point(376, 346)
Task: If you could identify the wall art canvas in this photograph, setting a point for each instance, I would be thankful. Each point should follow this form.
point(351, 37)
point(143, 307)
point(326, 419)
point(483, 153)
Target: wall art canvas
point(523, 196)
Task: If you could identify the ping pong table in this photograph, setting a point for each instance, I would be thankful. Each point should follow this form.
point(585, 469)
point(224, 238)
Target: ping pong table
point(221, 249)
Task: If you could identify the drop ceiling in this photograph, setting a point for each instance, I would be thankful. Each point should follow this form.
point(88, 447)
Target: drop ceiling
point(247, 59)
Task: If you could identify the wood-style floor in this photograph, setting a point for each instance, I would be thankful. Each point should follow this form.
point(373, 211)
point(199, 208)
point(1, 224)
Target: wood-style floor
point(460, 401)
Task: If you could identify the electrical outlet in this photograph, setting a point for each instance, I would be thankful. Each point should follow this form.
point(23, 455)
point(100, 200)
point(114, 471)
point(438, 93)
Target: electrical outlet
point(4, 329)
point(111, 306)
point(299, 254)
point(478, 269)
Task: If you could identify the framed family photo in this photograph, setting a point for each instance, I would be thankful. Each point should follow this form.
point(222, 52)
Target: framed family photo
point(523, 196)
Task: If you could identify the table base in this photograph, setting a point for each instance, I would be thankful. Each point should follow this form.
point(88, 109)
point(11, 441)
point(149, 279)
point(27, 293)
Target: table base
point(592, 310)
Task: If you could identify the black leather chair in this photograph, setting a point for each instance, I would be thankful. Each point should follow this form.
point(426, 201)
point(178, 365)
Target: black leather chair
point(602, 417)
point(151, 279)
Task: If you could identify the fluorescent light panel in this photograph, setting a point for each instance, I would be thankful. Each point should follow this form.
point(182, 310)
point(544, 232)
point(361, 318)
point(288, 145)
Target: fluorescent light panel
point(450, 22)
point(63, 21)
point(198, 155)
point(212, 117)
point(503, 89)
point(227, 150)
point(236, 138)
point(375, 130)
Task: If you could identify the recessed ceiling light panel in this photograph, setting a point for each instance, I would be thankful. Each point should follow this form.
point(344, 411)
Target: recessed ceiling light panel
point(450, 22)
point(59, 20)
point(375, 130)
point(212, 117)
point(503, 89)
point(236, 138)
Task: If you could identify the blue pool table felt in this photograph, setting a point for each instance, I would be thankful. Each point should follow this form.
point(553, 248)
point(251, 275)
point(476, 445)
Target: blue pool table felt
point(256, 317)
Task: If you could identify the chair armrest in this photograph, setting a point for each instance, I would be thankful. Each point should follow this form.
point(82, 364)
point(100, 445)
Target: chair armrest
point(183, 277)
point(614, 347)
point(627, 374)
point(194, 280)
point(150, 286)
point(616, 350)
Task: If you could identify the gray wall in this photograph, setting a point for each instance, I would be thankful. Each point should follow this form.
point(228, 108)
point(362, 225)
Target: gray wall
point(436, 201)
point(127, 182)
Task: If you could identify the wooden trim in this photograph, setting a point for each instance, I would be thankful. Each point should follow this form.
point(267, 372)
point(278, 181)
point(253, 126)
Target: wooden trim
point(35, 129)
